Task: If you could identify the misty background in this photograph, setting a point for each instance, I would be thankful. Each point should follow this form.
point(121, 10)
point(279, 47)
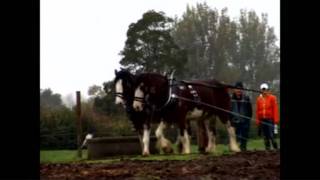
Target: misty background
point(82, 43)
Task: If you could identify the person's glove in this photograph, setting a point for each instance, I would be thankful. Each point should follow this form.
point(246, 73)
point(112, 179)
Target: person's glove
point(275, 129)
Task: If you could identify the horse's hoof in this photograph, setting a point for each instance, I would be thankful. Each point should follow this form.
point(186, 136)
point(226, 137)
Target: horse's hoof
point(145, 154)
point(202, 150)
point(236, 150)
point(186, 153)
point(167, 150)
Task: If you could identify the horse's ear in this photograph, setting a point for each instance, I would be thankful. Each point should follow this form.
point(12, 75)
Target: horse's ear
point(165, 74)
point(172, 73)
point(115, 72)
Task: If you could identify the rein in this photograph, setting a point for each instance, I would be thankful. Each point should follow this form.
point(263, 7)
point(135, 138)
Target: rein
point(120, 95)
point(215, 107)
point(174, 96)
point(138, 99)
point(222, 86)
point(170, 91)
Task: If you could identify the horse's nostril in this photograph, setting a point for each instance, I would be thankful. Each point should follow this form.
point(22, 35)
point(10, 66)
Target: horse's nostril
point(137, 108)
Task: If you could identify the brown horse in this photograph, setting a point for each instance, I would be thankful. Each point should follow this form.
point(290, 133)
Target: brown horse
point(124, 83)
point(174, 102)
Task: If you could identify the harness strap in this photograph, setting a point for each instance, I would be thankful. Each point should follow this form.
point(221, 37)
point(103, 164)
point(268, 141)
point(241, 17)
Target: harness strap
point(194, 93)
point(139, 99)
point(119, 95)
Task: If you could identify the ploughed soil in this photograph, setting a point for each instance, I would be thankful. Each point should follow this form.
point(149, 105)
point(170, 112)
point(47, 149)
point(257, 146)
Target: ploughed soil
point(262, 165)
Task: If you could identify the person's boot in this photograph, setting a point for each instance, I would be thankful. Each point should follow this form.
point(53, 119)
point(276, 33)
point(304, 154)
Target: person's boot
point(275, 145)
point(243, 146)
point(267, 144)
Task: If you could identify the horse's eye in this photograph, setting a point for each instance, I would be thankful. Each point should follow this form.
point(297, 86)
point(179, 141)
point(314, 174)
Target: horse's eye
point(147, 97)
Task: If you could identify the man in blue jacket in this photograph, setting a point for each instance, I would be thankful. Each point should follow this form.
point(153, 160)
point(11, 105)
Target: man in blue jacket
point(241, 104)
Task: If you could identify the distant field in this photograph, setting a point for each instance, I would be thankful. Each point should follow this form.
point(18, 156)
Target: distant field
point(60, 156)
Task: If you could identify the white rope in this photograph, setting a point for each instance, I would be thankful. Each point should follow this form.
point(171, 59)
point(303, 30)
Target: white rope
point(212, 106)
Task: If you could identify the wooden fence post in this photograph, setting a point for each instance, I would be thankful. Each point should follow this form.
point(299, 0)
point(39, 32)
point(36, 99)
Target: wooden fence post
point(79, 124)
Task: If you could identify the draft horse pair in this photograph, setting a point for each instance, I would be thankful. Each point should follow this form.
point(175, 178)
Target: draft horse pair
point(152, 98)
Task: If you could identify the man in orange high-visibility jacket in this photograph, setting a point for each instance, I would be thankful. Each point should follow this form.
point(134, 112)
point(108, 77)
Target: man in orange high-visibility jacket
point(267, 116)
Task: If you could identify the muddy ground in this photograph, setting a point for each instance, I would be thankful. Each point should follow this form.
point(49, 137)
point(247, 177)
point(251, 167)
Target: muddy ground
point(262, 165)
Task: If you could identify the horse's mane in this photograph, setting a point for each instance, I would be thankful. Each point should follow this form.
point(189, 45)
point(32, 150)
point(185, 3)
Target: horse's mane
point(124, 74)
point(143, 76)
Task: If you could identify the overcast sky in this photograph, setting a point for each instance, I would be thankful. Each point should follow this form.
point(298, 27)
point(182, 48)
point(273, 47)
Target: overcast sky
point(80, 39)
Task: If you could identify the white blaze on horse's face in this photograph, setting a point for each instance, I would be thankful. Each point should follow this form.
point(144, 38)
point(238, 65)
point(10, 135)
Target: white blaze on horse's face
point(119, 89)
point(137, 104)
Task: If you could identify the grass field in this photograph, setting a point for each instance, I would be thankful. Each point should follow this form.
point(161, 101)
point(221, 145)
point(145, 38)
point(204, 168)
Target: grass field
point(66, 156)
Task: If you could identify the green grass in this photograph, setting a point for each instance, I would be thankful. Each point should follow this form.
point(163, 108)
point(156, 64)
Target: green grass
point(68, 156)
point(258, 144)
point(55, 156)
